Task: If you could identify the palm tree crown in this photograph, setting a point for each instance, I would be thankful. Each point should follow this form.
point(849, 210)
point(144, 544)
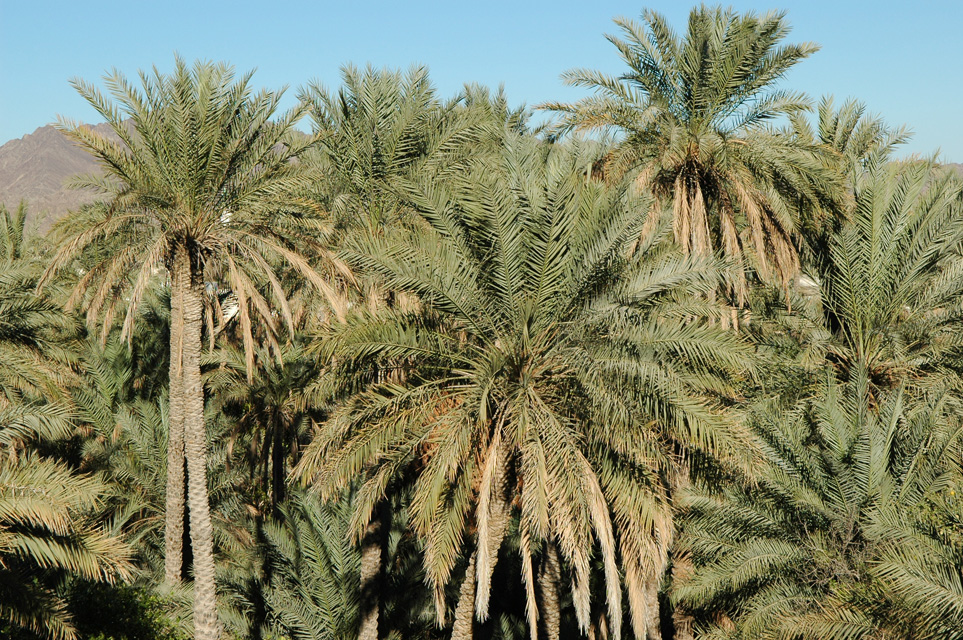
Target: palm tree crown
point(544, 377)
point(198, 177)
point(693, 117)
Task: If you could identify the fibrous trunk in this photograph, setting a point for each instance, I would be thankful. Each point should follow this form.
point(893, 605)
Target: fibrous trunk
point(548, 583)
point(206, 625)
point(494, 517)
point(371, 569)
point(653, 623)
point(174, 498)
point(465, 609)
point(682, 621)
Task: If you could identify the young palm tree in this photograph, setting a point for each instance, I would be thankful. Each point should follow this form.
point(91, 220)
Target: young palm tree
point(196, 181)
point(12, 239)
point(46, 532)
point(548, 375)
point(269, 413)
point(692, 115)
point(855, 141)
point(890, 284)
point(47, 528)
point(379, 127)
point(820, 545)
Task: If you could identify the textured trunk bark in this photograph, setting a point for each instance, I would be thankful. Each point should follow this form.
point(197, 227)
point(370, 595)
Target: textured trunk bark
point(653, 622)
point(682, 622)
point(371, 579)
point(206, 625)
point(548, 583)
point(498, 520)
point(174, 498)
point(682, 567)
point(462, 628)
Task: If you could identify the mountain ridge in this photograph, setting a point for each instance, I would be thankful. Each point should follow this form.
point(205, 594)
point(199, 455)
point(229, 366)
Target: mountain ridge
point(35, 168)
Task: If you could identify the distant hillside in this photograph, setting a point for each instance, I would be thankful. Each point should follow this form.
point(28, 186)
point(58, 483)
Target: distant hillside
point(34, 168)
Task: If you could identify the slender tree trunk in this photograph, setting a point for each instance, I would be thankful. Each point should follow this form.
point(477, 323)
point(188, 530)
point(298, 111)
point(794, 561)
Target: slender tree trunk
point(499, 517)
point(174, 498)
point(682, 621)
point(206, 625)
point(371, 569)
point(653, 623)
point(462, 628)
point(548, 583)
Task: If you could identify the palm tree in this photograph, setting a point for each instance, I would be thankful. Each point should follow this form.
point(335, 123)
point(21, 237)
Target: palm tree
point(692, 118)
point(827, 543)
point(12, 239)
point(544, 378)
point(47, 528)
point(46, 532)
point(889, 282)
point(314, 590)
point(380, 128)
point(854, 140)
point(196, 181)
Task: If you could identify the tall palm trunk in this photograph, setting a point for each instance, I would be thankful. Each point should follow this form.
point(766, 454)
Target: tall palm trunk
point(548, 583)
point(371, 576)
point(474, 596)
point(278, 466)
point(188, 334)
point(682, 566)
point(174, 498)
point(653, 622)
point(682, 621)
point(465, 609)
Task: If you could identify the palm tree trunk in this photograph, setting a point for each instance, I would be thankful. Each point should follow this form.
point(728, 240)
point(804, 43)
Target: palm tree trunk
point(682, 621)
point(499, 517)
point(548, 582)
point(371, 569)
point(174, 498)
point(462, 628)
point(206, 625)
point(653, 624)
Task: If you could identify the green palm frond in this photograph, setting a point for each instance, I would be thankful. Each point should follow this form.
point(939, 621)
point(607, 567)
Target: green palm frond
point(826, 543)
point(547, 343)
point(694, 120)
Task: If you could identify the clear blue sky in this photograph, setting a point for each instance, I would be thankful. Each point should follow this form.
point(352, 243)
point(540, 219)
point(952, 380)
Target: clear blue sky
point(905, 62)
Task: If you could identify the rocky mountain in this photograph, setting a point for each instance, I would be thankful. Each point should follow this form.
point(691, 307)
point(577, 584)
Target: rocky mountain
point(35, 167)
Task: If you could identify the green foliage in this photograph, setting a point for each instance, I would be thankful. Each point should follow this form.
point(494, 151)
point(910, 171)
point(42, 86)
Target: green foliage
point(815, 547)
point(693, 118)
point(499, 360)
point(552, 364)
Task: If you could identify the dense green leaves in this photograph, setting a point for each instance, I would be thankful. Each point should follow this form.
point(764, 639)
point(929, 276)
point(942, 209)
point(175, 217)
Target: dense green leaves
point(452, 376)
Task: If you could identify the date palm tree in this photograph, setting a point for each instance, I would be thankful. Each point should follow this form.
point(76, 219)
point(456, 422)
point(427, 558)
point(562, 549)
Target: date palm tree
point(829, 543)
point(378, 129)
point(889, 282)
point(47, 532)
point(692, 117)
point(196, 179)
point(548, 376)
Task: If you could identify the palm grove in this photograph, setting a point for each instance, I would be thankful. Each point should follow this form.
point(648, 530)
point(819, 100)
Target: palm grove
point(682, 363)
